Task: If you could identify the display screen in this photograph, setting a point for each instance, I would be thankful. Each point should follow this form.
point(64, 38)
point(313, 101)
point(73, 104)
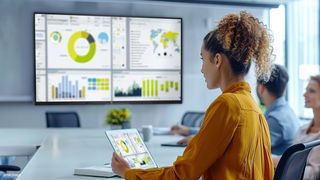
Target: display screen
point(105, 59)
point(129, 145)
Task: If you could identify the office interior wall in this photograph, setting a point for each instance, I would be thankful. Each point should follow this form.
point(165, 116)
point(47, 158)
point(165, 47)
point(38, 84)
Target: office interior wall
point(17, 61)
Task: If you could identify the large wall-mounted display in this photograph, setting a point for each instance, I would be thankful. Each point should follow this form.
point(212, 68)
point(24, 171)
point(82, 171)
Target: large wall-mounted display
point(106, 59)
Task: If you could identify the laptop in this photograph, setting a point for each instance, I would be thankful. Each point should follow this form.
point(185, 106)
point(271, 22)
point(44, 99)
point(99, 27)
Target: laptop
point(129, 144)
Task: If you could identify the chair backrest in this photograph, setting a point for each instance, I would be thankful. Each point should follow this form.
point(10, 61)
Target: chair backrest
point(192, 119)
point(4, 166)
point(62, 119)
point(293, 161)
point(4, 176)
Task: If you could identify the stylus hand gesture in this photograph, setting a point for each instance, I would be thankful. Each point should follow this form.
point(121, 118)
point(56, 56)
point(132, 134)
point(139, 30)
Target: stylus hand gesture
point(119, 165)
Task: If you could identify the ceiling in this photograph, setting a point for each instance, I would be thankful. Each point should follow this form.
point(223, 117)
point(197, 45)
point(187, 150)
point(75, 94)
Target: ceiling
point(252, 3)
point(260, 3)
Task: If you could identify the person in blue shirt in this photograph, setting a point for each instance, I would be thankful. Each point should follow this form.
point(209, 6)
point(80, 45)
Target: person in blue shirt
point(282, 121)
point(184, 130)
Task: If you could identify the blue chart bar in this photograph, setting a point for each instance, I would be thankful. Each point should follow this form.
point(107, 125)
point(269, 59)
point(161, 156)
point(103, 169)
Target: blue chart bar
point(68, 90)
point(59, 91)
point(74, 90)
point(70, 94)
point(77, 94)
point(64, 86)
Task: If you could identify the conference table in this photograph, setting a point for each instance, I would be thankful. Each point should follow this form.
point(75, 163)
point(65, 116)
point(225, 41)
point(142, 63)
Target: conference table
point(59, 151)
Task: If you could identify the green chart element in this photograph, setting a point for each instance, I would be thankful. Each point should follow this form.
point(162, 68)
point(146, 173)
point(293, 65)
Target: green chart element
point(92, 48)
point(168, 85)
point(150, 88)
point(56, 37)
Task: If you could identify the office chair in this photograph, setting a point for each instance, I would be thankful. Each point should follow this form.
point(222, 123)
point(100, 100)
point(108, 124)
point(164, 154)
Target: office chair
point(62, 119)
point(293, 161)
point(4, 176)
point(8, 154)
point(192, 119)
point(4, 167)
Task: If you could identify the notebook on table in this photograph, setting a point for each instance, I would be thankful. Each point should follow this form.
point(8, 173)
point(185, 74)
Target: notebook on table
point(127, 143)
point(96, 171)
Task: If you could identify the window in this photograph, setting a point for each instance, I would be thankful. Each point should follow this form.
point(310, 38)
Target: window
point(277, 26)
point(302, 50)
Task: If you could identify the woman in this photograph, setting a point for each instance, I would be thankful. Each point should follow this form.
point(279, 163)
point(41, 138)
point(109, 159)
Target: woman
point(233, 141)
point(310, 132)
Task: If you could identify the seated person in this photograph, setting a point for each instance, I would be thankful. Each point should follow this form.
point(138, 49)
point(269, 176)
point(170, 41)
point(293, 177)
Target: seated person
point(184, 130)
point(189, 132)
point(233, 142)
point(190, 124)
point(282, 121)
point(311, 131)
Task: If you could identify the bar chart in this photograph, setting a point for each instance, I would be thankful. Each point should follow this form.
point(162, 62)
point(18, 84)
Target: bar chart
point(151, 87)
point(77, 86)
point(67, 89)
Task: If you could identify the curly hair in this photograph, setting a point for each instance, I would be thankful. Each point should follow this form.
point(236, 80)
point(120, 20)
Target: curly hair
point(243, 39)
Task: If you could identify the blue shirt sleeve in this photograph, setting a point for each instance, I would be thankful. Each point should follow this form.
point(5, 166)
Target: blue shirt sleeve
point(193, 130)
point(275, 131)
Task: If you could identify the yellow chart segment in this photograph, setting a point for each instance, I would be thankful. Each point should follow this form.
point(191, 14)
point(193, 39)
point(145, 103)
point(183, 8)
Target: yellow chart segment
point(92, 47)
point(124, 146)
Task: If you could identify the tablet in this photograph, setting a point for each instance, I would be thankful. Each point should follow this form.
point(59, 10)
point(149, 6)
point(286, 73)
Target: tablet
point(128, 143)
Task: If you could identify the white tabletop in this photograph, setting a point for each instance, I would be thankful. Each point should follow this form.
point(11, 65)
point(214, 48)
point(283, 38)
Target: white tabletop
point(62, 150)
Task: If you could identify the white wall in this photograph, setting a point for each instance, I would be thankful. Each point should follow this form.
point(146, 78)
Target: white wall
point(17, 58)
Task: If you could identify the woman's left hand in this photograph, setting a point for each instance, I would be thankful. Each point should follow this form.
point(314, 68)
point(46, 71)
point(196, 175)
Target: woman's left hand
point(119, 165)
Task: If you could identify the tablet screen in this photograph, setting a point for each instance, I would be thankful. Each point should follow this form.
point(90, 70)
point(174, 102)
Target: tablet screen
point(129, 145)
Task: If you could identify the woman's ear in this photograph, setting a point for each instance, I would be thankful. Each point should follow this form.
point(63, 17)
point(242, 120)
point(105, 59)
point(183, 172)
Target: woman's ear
point(218, 60)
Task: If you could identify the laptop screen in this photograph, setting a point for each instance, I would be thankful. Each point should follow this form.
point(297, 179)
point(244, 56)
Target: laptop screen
point(129, 145)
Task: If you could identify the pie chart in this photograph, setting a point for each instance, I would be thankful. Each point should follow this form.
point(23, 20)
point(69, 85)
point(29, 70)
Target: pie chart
point(73, 48)
point(55, 37)
point(103, 37)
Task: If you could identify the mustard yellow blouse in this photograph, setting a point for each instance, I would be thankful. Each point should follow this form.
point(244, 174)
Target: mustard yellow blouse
point(233, 143)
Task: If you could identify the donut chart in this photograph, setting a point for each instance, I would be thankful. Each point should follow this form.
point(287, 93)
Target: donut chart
point(124, 146)
point(55, 37)
point(71, 47)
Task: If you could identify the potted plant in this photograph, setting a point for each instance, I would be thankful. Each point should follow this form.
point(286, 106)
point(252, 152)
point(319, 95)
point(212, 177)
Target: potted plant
point(118, 118)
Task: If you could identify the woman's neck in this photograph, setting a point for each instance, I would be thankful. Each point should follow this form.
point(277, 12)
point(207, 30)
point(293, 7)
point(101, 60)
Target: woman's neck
point(227, 75)
point(225, 82)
